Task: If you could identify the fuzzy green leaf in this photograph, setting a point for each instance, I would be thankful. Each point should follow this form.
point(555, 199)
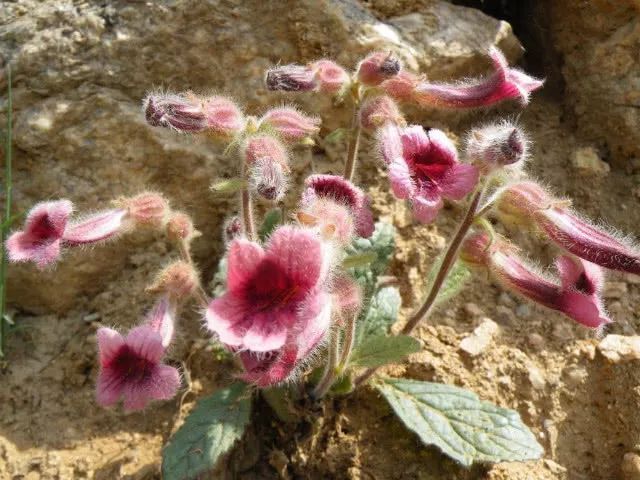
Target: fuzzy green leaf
point(381, 243)
point(209, 431)
point(381, 350)
point(381, 313)
point(228, 186)
point(271, 220)
point(460, 424)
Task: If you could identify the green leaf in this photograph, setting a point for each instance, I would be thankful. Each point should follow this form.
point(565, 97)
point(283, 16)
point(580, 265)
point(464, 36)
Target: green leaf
point(228, 186)
point(336, 135)
point(279, 399)
point(381, 313)
point(210, 430)
point(219, 281)
point(359, 259)
point(271, 220)
point(457, 276)
point(460, 424)
point(381, 350)
point(381, 244)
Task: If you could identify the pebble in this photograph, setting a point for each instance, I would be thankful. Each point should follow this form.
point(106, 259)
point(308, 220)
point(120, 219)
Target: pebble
point(574, 376)
point(536, 341)
point(615, 289)
point(481, 338)
point(473, 310)
point(588, 162)
point(630, 466)
point(536, 377)
point(617, 348)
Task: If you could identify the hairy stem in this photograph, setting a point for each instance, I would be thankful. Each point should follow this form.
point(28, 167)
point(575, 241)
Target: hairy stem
point(330, 371)
point(185, 254)
point(354, 141)
point(349, 340)
point(246, 207)
point(6, 221)
point(447, 262)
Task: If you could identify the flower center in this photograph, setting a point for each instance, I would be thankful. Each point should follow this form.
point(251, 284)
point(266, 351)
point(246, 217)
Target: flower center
point(130, 367)
point(271, 288)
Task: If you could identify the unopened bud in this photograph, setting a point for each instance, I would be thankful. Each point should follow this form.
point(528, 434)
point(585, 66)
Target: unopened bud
point(517, 203)
point(475, 249)
point(266, 146)
point(179, 112)
point(179, 280)
point(291, 124)
point(147, 208)
point(378, 111)
point(291, 78)
point(496, 146)
point(268, 179)
point(378, 67)
point(180, 227)
point(232, 229)
point(401, 87)
point(331, 77)
point(223, 116)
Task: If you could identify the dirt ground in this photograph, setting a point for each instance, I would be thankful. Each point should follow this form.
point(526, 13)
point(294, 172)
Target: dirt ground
point(581, 405)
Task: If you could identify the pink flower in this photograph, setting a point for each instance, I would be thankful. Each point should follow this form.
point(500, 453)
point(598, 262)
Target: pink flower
point(292, 125)
point(402, 86)
point(378, 67)
point(496, 146)
point(131, 368)
point(338, 189)
point(577, 295)
point(47, 229)
point(331, 219)
point(277, 307)
point(528, 201)
point(504, 84)
point(331, 77)
point(423, 167)
point(180, 112)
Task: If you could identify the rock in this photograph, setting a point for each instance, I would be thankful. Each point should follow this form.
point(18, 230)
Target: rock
point(80, 70)
point(587, 161)
point(575, 375)
point(481, 338)
point(473, 310)
point(536, 341)
point(615, 289)
point(536, 377)
point(618, 348)
point(630, 466)
point(598, 42)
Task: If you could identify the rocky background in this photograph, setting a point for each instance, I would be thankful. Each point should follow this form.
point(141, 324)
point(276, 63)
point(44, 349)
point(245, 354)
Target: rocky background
point(80, 70)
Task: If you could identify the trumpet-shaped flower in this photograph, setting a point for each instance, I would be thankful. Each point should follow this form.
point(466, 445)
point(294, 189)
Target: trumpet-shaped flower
point(292, 125)
point(131, 367)
point(504, 84)
point(277, 306)
point(47, 229)
point(530, 202)
point(577, 294)
point(423, 168)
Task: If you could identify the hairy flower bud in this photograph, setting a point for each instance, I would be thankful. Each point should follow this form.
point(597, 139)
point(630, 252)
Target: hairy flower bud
point(223, 116)
point(496, 146)
point(232, 229)
point(331, 77)
point(268, 179)
point(178, 281)
point(378, 67)
point(180, 112)
point(475, 249)
point(402, 86)
point(291, 78)
point(148, 208)
point(378, 111)
point(180, 227)
point(292, 125)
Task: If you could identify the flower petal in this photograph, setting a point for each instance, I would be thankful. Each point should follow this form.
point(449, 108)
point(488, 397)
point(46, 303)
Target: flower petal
point(227, 317)
point(164, 383)
point(95, 227)
point(109, 387)
point(298, 252)
point(109, 343)
point(415, 141)
point(145, 343)
point(243, 259)
point(426, 206)
point(400, 177)
point(268, 331)
point(459, 180)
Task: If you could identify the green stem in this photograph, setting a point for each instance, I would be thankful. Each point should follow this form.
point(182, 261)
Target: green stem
point(349, 341)
point(331, 371)
point(246, 207)
point(7, 215)
point(449, 259)
point(354, 141)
